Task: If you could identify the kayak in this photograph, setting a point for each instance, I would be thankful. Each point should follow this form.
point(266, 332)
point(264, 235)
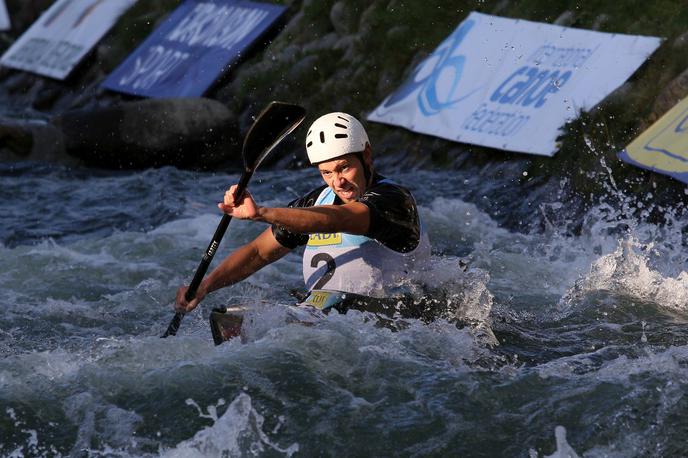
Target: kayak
point(226, 322)
point(459, 296)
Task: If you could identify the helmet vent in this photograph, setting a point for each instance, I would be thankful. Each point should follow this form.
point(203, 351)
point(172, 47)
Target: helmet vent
point(340, 125)
point(309, 144)
point(341, 136)
point(322, 137)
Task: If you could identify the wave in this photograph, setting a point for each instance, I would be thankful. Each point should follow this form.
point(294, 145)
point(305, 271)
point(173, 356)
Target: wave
point(626, 271)
point(238, 431)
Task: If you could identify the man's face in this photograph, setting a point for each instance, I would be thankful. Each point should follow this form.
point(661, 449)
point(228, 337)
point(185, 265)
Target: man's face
point(346, 177)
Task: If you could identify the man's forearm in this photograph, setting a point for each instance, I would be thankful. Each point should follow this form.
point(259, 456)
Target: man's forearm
point(237, 266)
point(351, 218)
point(245, 261)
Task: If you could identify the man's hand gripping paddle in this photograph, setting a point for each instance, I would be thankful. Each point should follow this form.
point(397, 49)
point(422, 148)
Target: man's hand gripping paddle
point(274, 123)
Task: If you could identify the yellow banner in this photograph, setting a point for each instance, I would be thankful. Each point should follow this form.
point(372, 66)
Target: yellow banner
point(663, 147)
point(325, 239)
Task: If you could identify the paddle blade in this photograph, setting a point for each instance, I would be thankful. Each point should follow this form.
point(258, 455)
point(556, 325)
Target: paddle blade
point(274, 123)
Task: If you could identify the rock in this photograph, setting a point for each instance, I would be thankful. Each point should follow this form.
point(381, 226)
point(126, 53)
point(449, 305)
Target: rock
point(394, 5)
point(565, 19)
point(367, 21)
point(32, 140)
point(500, 7)
point(387, 83)
point(288, 54)
point(15, 138)
point(600, 21)
point(680, 41)
point(397, 33)
point(344, 17)
point(294, 25)
point(46, 96)
point(305, 68)
point(24, 12)
point(189, 133)
point(19, 82)
point(350, 45)
point(324, 43)
point(674, 92)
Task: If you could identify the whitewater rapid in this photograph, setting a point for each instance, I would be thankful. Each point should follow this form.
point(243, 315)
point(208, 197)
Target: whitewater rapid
point(555, 343)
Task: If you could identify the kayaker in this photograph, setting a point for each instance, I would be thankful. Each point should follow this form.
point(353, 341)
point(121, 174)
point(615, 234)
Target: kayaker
point(362, 232)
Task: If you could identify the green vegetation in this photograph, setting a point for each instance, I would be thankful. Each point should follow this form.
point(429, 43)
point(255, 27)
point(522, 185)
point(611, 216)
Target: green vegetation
point(130, 31)
point(350, 55)
point(370, 47)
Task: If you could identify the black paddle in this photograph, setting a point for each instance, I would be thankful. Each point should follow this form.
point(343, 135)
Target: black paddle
point(274, 123)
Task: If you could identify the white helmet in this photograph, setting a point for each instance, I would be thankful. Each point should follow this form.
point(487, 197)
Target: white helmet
point(334, 135)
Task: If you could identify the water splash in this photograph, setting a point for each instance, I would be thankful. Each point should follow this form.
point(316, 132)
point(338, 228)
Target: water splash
point(429, 388)
point(238, 430)
point(31, 445)
point(626, 271)
point(564, 450)
point(460, 294)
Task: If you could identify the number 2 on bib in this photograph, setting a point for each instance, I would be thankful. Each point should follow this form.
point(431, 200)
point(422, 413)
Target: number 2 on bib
point(331, 266)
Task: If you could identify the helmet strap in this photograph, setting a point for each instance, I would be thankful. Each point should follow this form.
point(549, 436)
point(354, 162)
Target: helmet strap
point(366, 169)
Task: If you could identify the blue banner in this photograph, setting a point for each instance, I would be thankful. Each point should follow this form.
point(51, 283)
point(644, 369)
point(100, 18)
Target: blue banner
point(198, 42)
point(4, 17)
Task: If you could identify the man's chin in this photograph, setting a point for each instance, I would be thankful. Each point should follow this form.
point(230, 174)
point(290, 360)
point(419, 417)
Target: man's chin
point(347, 196)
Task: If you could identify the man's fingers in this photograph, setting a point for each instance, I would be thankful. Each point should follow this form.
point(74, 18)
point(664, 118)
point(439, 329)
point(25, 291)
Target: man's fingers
point(186, 307)
point(229, 198)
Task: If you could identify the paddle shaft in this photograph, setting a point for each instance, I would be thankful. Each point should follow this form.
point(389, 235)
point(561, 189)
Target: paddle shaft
point(208, 256)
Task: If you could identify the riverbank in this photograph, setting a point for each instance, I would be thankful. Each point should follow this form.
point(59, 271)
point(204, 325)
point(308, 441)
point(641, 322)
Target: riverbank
point(349, 56)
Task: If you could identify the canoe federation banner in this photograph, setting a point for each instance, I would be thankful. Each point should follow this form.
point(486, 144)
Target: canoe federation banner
point(512, 84)
point(63, 35)
point(193, 47)
point(663, 147)
point(4, 17)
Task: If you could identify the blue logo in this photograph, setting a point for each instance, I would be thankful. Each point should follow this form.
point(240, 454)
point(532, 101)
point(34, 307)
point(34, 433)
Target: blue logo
point(442, 64)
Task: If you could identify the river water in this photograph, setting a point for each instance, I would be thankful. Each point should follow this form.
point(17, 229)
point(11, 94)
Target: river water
point(554, 342)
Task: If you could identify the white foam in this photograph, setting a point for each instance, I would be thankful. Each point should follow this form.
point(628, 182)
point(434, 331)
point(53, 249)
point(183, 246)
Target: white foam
point(564, 450)
point(51, 249)
point(198, 227)
point(626, 271)
point(466, 291)
point(547, 262)
point(621, 369)
point(540, 267)
point(31, 446)
point(228, 433)
point(96, 418)
point(37, 369)
point(340, 342)
point(458, 221)
point(670, 361)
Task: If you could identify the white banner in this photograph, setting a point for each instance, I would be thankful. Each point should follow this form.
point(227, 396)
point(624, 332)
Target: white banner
point(63, 35)
point(4, 17)
point(511, 84)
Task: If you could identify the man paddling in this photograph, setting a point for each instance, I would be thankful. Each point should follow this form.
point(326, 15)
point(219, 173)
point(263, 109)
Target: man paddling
point(361, 231)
